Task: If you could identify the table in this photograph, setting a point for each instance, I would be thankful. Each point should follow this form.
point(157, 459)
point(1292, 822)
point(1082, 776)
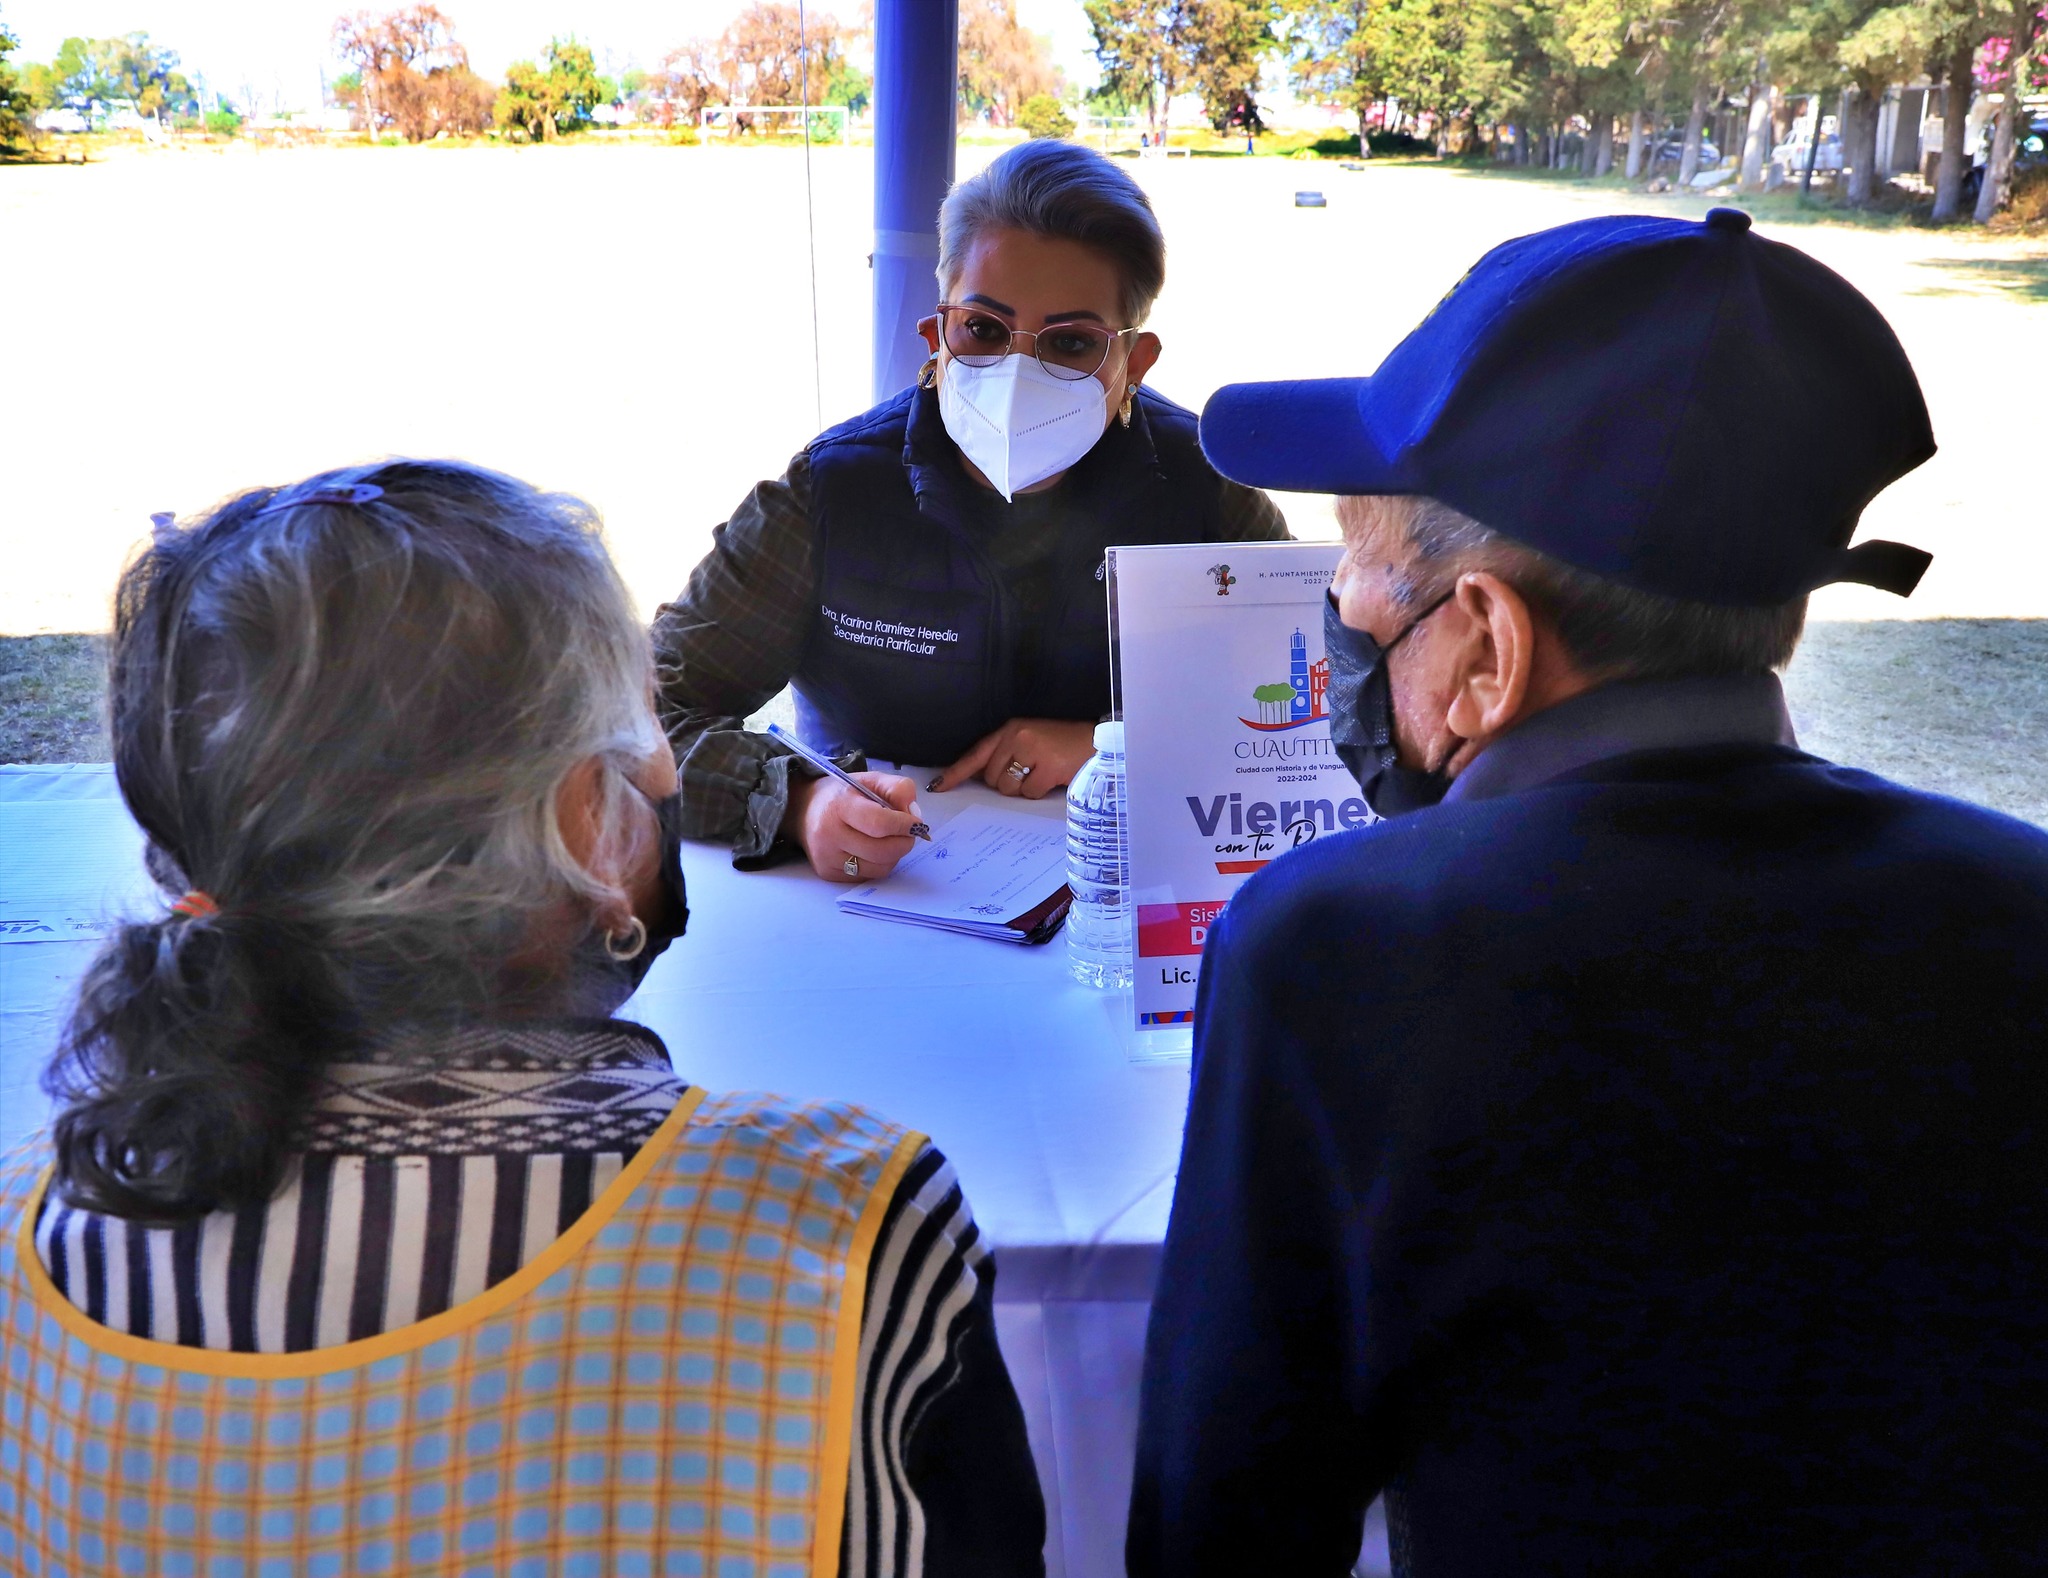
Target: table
point(1066, 1148)
point(1064, 1144)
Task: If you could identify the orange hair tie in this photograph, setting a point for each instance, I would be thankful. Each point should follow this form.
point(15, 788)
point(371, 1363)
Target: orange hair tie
point(200, 906)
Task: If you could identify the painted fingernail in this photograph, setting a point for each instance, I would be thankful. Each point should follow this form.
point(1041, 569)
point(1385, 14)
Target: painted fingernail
point(920, 830)
point(932, 787)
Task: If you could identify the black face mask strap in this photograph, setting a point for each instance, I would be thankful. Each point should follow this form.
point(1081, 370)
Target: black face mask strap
point(1408, 629)
point(1395, 790)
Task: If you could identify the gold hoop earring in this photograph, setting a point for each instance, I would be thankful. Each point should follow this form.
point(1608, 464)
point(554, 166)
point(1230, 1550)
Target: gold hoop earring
point(1124, 416)
point(928, 375)
point(635, 939)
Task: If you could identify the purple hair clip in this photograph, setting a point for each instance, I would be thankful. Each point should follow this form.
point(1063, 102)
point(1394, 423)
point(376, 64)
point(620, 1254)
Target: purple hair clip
point(333, 493)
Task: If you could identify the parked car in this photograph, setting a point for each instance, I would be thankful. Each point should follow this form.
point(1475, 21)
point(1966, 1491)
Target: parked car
point(2029, 153)
point(1671, 150)
point(1790, 155)
point(2033, 144)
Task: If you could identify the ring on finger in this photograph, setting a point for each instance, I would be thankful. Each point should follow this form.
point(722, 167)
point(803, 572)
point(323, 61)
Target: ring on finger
point(851, 866)
point(1018, 770)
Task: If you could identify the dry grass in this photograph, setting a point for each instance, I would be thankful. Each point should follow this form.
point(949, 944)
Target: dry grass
point(52, 690)
point(1958, 706)
point(2029, 209)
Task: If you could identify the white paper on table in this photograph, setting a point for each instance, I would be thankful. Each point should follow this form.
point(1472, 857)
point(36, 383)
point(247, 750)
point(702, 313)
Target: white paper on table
point(982, 873)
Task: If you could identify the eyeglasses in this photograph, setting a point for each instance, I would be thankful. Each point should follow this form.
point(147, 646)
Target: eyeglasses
point(1072, 351)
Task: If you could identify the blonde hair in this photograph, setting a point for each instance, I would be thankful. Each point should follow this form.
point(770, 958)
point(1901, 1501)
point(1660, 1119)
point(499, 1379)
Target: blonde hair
point(1068, 193)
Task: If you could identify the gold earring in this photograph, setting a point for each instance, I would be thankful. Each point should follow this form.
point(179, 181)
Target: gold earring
point(928, 375)
point(1124, 416)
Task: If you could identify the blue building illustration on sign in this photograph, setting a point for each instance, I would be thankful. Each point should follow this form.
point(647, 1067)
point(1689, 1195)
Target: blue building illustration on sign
point(1296, 700)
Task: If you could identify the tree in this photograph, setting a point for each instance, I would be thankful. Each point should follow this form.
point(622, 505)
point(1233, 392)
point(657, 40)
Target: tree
point(2020, 63)
point(1706, 48)
point(1274, 702)
point(141, 72)
point(544, 103)
point(17, 113)
point(1002, 64)
point(346, 91)
point(523, 105)
point(410, 74)
point(42, 87)
point(1962, 26)
point(456, 101)
point(1044, 116)
point(1331, 57)
point(770, 55)
point(78, 77)
point(1889, 44)
point(1619, 53)
point(1226, 40)
point(687, 80)
point(849, 87)
point(771, 51)
point(1142, 47)
point(1361, 53)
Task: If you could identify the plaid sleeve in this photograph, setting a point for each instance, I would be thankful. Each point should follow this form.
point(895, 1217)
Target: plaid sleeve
point(722, 650)
point(1249, 516)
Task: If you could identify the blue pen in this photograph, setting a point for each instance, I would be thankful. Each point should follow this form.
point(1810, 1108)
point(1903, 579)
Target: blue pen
point(825, 764)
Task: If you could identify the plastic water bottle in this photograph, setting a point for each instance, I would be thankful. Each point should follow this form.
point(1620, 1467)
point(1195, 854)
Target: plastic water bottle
point(1099, 923)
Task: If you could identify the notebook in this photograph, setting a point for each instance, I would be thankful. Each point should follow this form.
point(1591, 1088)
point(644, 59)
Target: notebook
point(987, 873)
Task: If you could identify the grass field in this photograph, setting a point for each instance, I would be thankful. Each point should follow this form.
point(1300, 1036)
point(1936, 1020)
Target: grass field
point(1957, 706)
point(634, 324)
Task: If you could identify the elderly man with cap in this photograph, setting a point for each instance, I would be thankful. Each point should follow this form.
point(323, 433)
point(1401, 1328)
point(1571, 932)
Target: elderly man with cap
point(1629, 1154)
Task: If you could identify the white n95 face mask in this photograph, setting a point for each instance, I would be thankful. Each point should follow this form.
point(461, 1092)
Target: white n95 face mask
point(1017, 422)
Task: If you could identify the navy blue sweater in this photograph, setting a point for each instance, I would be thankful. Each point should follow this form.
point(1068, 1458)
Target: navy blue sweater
point(1646, 1171)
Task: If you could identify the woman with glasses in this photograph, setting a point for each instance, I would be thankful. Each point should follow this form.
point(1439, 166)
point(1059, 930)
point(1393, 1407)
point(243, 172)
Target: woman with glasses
point(929, 575)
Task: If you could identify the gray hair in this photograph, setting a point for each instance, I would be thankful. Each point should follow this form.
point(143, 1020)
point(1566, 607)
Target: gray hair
point(1611, 631)
point(346, 719)
point(1068, 193)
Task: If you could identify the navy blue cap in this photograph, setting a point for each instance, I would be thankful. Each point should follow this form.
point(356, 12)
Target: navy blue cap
point(1686, 408)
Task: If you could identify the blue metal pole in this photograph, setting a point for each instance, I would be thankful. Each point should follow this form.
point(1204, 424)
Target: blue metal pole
point(916, 76)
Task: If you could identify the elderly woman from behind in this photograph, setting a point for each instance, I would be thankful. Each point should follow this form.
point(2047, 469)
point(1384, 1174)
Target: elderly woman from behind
point(364, 1238)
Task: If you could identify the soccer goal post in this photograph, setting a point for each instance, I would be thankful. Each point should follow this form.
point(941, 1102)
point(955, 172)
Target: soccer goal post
point(733, 119)
point(1107, 132)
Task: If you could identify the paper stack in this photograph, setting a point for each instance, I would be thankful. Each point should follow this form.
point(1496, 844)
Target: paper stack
point(986, 873)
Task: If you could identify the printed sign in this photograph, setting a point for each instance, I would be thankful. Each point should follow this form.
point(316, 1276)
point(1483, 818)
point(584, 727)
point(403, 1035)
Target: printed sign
point(1223, 685)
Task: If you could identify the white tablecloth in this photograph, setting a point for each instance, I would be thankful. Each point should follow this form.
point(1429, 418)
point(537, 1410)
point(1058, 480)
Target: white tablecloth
point(1065, 1145)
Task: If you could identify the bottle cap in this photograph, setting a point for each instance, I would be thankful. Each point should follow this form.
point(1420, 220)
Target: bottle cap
point(1110, 737)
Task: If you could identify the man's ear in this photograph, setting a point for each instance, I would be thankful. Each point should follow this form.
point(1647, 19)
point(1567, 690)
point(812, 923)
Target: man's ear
point(1493, 689)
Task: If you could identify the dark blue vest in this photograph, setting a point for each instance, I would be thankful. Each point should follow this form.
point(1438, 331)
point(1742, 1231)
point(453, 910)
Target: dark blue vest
point(913, 654)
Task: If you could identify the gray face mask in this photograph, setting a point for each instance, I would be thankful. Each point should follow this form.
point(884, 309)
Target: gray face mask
point(1362, 717)
point(612, 980)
